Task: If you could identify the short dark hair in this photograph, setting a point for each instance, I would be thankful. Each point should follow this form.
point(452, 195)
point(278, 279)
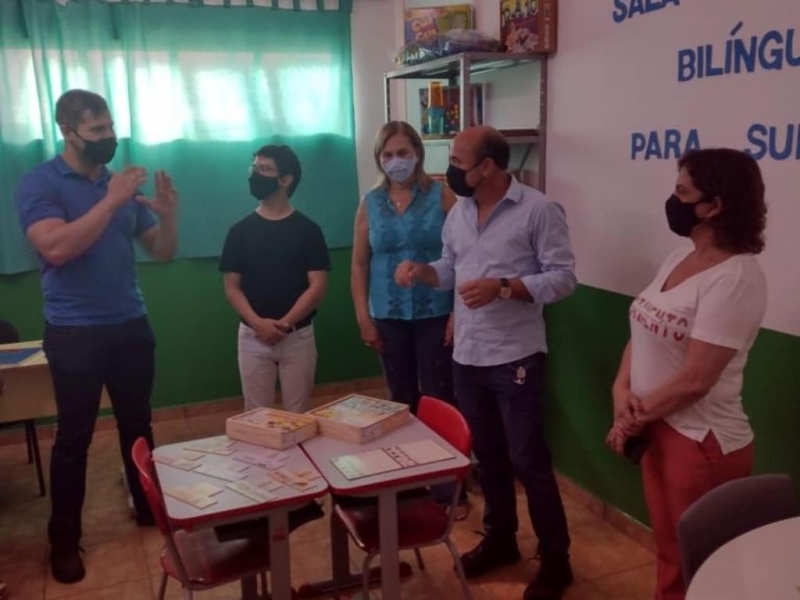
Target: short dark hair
point(735, 178)
point(286, 162)
point(74, 104)
point(495, 146)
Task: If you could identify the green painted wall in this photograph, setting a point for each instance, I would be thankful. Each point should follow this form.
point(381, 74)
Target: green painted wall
point(196, 334)
point(196, 329)
point(587, 334)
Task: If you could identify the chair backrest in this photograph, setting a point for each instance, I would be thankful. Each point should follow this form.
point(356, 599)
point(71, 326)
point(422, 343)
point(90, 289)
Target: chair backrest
point(730, 510)
point(447, 421)
point(8, 333)
point(143, 459)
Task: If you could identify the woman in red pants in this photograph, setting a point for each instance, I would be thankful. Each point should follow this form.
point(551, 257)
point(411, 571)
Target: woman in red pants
point(680, 381)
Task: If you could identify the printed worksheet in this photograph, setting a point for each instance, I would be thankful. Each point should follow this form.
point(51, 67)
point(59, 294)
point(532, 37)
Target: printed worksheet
point(365, 464)
point(391, 458)
point(418, 453)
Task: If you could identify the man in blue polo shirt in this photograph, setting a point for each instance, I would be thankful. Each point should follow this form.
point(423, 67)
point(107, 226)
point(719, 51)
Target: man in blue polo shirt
point(507, 253)
point(82, 220)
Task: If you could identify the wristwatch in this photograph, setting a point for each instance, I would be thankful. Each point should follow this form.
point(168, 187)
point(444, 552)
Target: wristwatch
point(505, 289)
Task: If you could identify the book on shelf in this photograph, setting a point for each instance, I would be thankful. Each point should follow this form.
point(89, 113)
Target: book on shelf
point(451, 110)
point(270, 427)
point(360, 419)
point(16, 356)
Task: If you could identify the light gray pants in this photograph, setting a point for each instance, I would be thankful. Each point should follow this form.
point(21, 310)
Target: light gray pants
point(293, 359)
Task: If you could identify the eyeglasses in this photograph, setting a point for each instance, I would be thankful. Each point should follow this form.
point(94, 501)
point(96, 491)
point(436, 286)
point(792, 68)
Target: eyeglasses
point(266, 171)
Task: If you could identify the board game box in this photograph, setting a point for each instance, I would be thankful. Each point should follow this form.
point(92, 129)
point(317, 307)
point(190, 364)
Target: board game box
point(360, 419)
point(276, 429)
point(422, 24)
point(528, 26)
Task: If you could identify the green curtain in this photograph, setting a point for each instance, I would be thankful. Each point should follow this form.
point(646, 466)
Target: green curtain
point(194, 90)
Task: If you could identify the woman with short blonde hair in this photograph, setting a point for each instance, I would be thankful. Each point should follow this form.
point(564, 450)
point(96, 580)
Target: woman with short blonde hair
point(401, 218)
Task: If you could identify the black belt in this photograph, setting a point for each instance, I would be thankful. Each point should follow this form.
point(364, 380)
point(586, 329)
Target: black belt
point(302, 324)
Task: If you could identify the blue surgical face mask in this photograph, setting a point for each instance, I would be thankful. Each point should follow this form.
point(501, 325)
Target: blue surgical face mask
point(400, 169)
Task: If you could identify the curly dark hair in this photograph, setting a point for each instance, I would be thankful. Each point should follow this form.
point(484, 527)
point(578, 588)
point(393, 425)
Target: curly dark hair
point(735, 178)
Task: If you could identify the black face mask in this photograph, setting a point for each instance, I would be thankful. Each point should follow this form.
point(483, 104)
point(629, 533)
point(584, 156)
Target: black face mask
point(681, 217)
point(99, 152)
point(262, 187)
point(457, 180)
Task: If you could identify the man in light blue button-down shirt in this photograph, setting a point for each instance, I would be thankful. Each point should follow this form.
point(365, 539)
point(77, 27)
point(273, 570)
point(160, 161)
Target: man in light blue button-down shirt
point(506, 253)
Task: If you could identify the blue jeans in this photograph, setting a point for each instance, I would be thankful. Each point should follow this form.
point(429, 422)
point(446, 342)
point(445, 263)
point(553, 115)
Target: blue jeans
point(82, 360)
point(416, 363)
point(504, 406)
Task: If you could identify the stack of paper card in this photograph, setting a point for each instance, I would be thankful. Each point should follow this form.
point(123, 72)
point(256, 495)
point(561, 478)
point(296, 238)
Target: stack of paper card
point(264, 458)
point(253, 492)
point(198, 495)
point(225, 472)
point(217, 445)
point(299, 479)
point(185, 460)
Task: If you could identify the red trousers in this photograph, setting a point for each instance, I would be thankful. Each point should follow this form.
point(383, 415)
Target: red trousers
point(677, 471)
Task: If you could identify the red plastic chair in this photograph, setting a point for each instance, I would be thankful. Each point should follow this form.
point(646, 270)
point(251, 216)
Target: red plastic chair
point(197, 559)
point(421, 521)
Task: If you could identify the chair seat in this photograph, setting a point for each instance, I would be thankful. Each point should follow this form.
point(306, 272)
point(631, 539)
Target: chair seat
point(209, 562)
point(421, 522)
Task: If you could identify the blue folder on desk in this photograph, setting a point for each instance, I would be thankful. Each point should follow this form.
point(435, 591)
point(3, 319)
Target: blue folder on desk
point(13, 357)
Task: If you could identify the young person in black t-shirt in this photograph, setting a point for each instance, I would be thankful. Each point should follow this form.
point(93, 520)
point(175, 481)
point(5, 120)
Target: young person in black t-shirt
point(275, 265)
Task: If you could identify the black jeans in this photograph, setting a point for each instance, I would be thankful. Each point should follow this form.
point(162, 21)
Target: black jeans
point(83, 360)
point(415, 360)
point(504, 407)
point(416, 363)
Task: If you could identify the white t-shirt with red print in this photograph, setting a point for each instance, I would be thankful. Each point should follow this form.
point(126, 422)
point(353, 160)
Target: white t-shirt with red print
point(724, 306)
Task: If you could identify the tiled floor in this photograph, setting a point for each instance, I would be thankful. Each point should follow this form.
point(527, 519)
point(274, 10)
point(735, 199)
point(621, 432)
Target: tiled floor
point(122, 559)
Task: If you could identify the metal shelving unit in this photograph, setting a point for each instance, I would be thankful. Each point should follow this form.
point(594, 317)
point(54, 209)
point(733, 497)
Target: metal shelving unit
point(458, 70)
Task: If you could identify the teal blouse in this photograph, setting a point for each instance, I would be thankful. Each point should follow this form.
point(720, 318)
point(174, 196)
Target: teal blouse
point(415, 235)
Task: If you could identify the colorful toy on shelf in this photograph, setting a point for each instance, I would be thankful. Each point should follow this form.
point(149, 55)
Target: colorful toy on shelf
point(452, 110)
point(423, 24)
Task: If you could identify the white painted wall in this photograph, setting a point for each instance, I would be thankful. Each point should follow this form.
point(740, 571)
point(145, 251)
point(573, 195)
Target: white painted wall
point(374, 31)
point(609, 80)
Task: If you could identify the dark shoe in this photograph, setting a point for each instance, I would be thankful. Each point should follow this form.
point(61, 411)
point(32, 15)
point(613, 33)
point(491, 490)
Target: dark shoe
point(493, 551)
point(66, 564)
point(145, 519)
point(550, 582)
